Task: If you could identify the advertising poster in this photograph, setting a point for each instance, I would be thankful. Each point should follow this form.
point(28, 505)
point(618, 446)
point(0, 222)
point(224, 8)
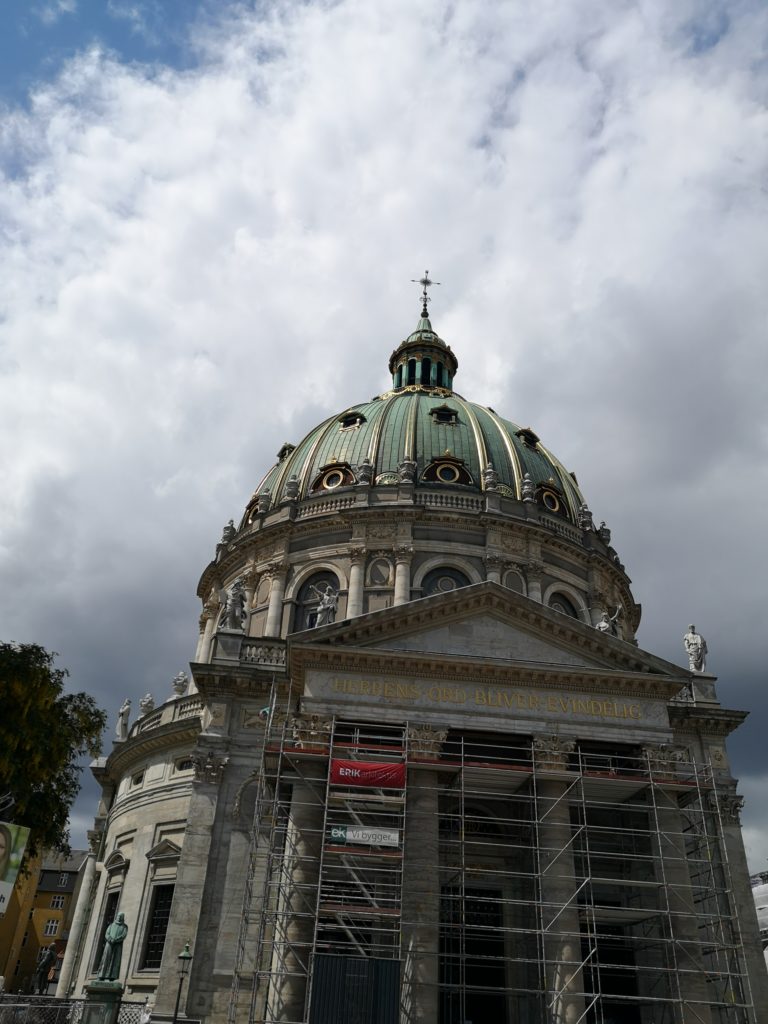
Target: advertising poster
point(13, 842)
point(384, 775)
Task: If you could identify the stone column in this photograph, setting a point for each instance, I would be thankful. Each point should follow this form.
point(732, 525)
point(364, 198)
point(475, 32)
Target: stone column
point(677, 895)
point(403, 556)
point(420, 923)
point(533, 573)
point(294, 931)
point(80, 917)
point(355, 595)
point(493, 567)
point(744, 904)
point(278, 574)
point(190, 886)
point(208, 622)
point(564, 983)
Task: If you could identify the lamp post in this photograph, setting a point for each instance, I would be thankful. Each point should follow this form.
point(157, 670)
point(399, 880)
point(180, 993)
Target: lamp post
point(185, 961)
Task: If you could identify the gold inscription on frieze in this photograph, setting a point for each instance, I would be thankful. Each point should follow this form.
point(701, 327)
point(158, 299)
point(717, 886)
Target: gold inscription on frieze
point(490, 697)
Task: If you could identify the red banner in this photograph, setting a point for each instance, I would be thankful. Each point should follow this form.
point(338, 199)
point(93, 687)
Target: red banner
point(368, 773)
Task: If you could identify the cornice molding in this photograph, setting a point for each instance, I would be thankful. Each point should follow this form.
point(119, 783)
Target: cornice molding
point(164, 737)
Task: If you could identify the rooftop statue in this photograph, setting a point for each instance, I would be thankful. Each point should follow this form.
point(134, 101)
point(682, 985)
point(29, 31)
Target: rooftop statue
point(490, 478)
point(233, 613)
point(696, 649)
point(608, 625)
point(528, 488)
point(228, 533)
point(121, 728)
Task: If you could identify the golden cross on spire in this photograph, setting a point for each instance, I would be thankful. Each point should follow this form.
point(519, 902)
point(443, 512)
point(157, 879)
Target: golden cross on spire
point(425, 283)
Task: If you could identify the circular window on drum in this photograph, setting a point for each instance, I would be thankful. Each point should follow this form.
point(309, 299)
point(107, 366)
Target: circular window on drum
point(550, 501)
point(334, 478)
point(443, 581)
point(562, 604)
point(447, 473)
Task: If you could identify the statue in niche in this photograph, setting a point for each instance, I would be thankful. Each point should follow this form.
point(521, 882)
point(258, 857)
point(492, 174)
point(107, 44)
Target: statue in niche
point(696, 649)
point(329, 602)
point(121, 728)
point(114, 937)
point(528, 488)
point(490, 478)
point(233, 613)
point(608, 625)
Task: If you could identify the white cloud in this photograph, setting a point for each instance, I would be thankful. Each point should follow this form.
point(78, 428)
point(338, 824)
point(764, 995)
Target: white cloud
point(49, 13)
point(198, 265)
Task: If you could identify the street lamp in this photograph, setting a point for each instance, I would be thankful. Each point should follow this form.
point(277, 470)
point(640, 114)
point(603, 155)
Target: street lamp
point(185, 961)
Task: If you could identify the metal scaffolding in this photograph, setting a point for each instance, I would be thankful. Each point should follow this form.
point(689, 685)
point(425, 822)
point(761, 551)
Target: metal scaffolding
point(504, 880)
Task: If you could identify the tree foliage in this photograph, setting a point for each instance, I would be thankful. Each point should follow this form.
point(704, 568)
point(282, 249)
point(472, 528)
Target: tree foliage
point(43, 733)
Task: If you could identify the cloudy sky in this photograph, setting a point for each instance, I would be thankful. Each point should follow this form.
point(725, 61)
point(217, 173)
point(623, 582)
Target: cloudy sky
point(210, 214)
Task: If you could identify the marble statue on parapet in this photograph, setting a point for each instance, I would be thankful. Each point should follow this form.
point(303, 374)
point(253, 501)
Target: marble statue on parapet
point(292, 487)
point(121, 728)
point(490, 478)
point(233, 613)
point(604, 533)
point(585, 517)
point(528, 488)
point(146, 704)
point(180, 683)
point(365, 471)
point(263, 501)
point(406, 471)
point(696, 649)
point(329, 602)
point(114, 937)
point(608, 625)
point(229, 533)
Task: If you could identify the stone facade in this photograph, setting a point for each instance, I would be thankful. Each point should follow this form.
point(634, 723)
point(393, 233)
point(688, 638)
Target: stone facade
point(562, 828)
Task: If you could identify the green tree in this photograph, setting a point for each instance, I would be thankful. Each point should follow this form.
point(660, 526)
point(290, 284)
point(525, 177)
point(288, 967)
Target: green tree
point(43, 733)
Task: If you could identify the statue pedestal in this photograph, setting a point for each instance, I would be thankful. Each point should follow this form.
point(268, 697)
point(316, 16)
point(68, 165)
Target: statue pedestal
point(102, 1002)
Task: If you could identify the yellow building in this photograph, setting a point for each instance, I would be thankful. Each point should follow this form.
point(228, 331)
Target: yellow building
point(39, 914)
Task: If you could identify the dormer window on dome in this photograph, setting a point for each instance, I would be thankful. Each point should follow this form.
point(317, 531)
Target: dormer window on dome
point(444, 414)
point(331, 477)
point(528, 436)
point(351, 420)
point(447, 470)
point(285, 451)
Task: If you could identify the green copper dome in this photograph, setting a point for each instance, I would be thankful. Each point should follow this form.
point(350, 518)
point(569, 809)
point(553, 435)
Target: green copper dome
point(420, 434)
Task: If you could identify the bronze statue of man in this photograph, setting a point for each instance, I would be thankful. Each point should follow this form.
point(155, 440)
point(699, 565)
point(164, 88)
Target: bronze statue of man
point(114, 937)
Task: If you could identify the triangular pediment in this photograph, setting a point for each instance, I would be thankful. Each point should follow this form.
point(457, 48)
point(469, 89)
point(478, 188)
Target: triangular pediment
point(164, 850)
point(486, 623)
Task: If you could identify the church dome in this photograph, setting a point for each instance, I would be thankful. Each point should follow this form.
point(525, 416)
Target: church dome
point(421, 432)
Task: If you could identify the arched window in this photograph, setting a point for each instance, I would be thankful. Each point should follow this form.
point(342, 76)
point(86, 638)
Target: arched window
point(442, 581)
point(562, 604)
point(439, 377)
point(426, 369)
point(399, 376)
point(411, 371)
point(308, 599)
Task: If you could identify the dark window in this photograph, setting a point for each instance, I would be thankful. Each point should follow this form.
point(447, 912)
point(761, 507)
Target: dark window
point(561, 604)
point(411, 371)
point(439, 376)
point(353, 419)
point(441, 581)
point(159, 914)
point(110, 912)
point(426, 369)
